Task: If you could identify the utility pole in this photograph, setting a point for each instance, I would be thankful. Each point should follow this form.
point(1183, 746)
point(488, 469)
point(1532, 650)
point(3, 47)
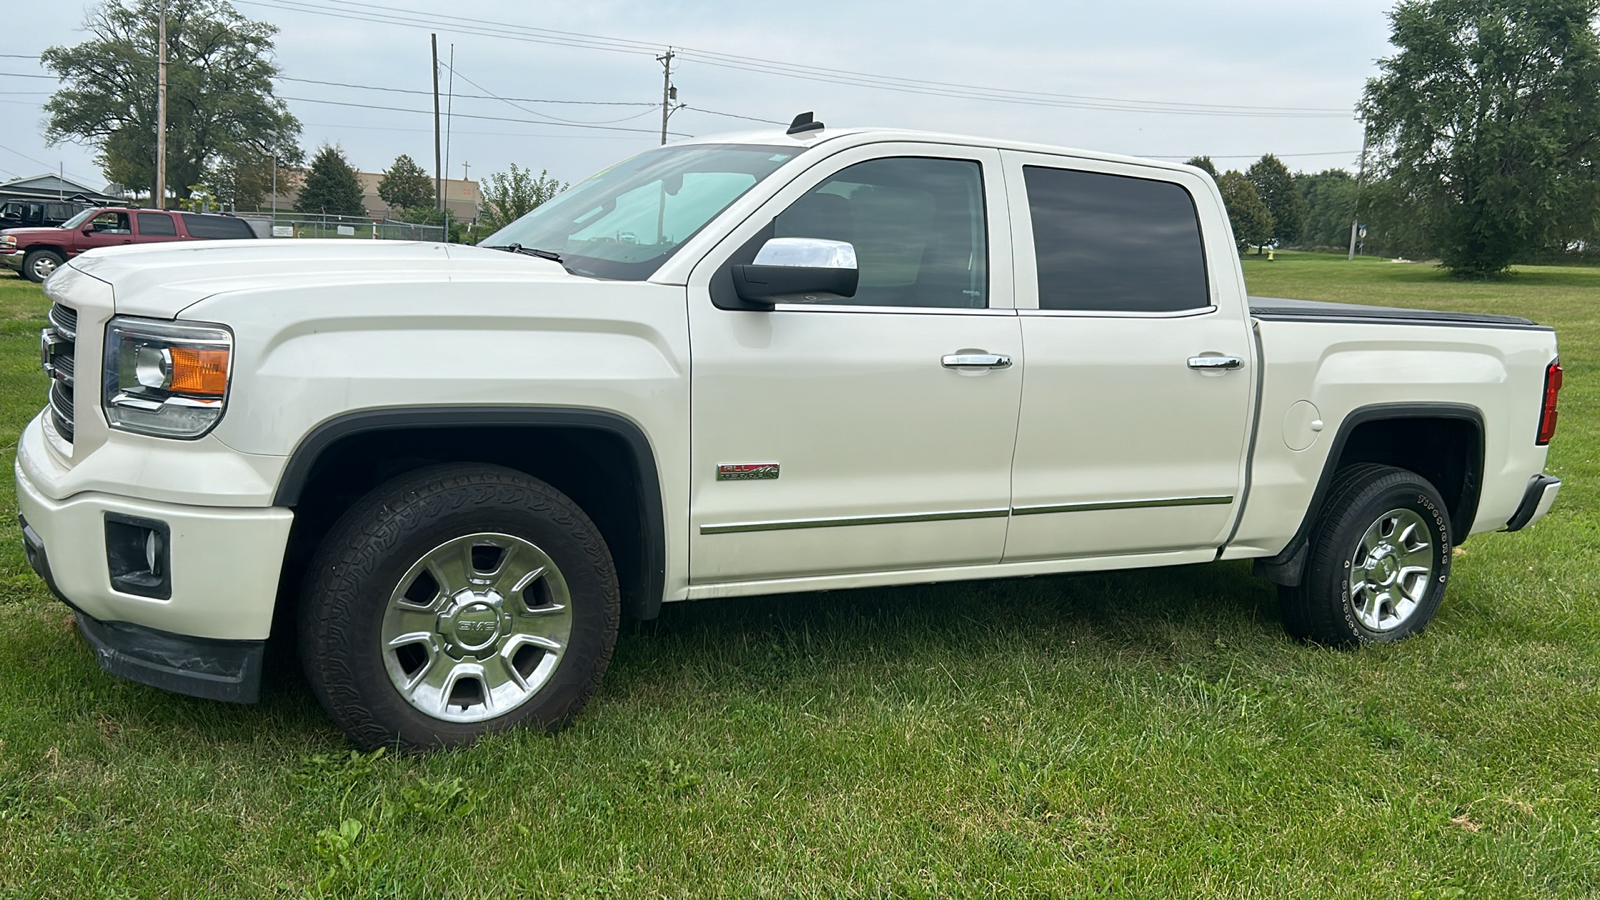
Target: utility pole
point(161, 113)
point(449, 115)
point(1361, 174)
point(668, 92)
point(438, 162)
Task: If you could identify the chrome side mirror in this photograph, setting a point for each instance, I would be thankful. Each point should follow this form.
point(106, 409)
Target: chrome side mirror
point(798, 270)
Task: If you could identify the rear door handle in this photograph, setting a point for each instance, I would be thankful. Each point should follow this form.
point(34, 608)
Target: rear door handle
point(975, 361)
point(1215, 362)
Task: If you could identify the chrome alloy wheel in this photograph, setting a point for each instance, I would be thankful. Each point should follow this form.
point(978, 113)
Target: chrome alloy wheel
point(1391, 570)
point(476, 627)
point(43, 265)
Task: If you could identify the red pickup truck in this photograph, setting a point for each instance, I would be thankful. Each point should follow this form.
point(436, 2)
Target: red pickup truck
point(36, 252)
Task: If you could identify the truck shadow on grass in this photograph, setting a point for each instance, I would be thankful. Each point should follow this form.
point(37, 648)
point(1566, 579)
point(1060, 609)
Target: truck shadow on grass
point(1174, 614)
point(777, 646)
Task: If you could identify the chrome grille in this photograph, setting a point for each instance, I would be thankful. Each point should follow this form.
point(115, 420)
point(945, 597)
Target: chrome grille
point(56, 355)
point(65, 320)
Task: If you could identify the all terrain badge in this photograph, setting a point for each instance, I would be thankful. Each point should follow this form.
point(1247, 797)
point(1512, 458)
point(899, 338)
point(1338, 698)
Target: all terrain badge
point(747, 471)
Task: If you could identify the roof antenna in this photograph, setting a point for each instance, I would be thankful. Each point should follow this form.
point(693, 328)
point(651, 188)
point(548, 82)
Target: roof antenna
point(804, 123)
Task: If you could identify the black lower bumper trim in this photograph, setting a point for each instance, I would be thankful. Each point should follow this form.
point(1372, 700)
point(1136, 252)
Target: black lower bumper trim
point(1530, 501)
point(199, 667)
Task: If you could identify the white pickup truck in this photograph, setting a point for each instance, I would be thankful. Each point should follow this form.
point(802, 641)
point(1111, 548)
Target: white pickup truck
point(747, 365)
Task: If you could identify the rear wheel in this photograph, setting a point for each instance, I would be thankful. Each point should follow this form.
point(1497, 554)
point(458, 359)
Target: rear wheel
point(40, 264)
point(457, 601)
point(1379, 560)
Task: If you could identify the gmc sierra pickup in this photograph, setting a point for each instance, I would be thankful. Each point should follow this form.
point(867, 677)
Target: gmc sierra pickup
point(743, 365)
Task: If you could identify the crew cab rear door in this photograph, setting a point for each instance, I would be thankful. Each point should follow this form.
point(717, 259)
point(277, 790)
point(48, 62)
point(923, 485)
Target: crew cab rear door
point(842, 437)
point(1137, 403)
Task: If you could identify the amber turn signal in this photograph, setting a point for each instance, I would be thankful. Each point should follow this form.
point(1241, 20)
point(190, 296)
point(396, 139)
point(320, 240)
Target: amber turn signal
point(202, 372)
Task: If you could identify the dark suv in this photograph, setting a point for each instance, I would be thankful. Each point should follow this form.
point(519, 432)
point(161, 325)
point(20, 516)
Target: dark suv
point(36, 252)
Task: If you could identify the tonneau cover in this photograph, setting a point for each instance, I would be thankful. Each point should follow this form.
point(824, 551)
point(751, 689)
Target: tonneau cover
point(1312, 310)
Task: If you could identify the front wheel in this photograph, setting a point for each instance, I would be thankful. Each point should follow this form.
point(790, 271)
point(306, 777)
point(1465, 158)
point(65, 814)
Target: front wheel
point(1379, 562)
point(40, 264)
point(456, 601)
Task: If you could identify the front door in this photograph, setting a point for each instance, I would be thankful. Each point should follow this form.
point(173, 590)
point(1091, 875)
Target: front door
point(107, 229)
point(849, 437)
point(1136, 407)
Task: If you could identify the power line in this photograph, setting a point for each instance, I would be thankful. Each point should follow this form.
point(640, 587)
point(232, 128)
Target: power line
point(371, 87)
point(41, 162)
point(485, 118)
point(712, 112)
point(367, 12)
point(21, 75)
point(534, 112)
point(522, 134)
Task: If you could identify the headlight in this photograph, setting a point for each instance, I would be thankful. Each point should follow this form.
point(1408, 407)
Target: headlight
point(7, 242)
point(164, 378)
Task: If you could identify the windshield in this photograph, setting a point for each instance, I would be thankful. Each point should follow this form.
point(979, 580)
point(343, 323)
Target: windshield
point(626, 221)
point(78, 219)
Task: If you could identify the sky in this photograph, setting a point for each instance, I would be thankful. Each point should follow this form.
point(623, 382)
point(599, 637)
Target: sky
point(1159, 70)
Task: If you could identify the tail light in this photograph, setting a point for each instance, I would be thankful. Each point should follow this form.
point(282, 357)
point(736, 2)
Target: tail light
point(1552, 388)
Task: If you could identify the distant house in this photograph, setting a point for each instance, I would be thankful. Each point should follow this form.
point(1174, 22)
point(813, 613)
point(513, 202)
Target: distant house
point(50, 186)
point(461, 197)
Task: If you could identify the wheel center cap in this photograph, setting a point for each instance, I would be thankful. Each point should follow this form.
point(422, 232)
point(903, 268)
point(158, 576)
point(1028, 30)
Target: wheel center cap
point(1382, 565)
point(472, 621)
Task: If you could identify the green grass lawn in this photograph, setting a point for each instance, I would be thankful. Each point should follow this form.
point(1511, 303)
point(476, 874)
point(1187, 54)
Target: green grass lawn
point(1143, 733)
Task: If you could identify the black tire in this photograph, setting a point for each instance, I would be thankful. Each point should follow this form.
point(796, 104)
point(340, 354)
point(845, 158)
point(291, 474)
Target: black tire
point(1324, 608)
point(354, 583)
point(34, 257)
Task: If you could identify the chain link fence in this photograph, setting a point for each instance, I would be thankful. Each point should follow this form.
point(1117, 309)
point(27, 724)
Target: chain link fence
point(311, 225)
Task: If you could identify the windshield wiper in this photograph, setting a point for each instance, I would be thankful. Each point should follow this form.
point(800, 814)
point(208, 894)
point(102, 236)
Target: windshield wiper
point(529, 251)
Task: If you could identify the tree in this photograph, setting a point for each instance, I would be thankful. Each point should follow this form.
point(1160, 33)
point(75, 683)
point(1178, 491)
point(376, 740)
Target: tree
point(220, 108)
point(1250, 218)
point(1205, 163)
point(331, 187)
point(510, 195)
point(1275, 186)
point(406, 185)
point(1329, 199)
point(245, 185)
point(1485, 120)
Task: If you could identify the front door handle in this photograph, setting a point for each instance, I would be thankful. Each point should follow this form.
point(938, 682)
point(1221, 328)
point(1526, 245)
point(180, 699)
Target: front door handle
point(1215, 362)
point(975, 361)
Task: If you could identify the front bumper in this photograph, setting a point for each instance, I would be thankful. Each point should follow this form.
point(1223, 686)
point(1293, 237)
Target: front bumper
point(221, 564)
point(216, 670)
point(13, 260)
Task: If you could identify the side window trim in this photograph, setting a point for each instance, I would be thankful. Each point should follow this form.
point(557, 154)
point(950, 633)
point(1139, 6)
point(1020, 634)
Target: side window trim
point(996, 222)
point(1025, 272)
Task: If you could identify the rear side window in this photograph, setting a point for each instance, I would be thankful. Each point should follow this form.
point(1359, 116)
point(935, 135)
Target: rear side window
point(216, 227)
point(156, 225)
point(1107, 243)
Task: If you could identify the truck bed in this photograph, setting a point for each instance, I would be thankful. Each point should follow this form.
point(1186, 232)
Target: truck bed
point(1316, 310)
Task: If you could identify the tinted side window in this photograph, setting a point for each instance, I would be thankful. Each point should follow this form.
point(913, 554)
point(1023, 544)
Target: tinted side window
point(110, 223)
point(216, 227)
point(917, 226)
point(1110, 243)
point(156, 225)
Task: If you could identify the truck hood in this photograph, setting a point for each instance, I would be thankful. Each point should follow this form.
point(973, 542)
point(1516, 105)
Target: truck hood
point(162, 280)
point(24, 235)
